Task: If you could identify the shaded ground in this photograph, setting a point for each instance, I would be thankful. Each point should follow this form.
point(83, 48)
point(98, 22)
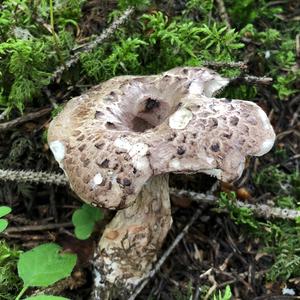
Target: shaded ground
point(214, 253)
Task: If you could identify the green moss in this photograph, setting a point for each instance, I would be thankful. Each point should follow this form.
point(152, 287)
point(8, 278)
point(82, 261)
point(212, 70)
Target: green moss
point(279, 238)
point(157, 44)
point(28, 52)
point(272, 179)
point(282, 240)
point(152, 42)
point(9, 281)
point(240, 215)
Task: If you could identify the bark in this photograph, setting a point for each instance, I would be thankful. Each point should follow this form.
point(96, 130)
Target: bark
point(131, 241)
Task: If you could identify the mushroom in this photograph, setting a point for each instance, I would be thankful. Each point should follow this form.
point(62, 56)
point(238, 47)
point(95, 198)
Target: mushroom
point(117, 143)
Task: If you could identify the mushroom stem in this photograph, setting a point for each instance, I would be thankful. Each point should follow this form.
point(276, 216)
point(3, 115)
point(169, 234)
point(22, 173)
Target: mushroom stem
point(130, 242)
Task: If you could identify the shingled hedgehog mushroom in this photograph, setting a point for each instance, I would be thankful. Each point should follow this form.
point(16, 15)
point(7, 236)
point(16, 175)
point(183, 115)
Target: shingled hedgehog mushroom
point(117, 143)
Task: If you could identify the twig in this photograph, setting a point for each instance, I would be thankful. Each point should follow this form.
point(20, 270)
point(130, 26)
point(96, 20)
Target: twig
point(76, 280)
point(223, 13)
point(214, 286)
point(297, 45)
point(27, 238)
point(40, 227)
point(260, 210)
point(18, 219)
point(4, 114)
point(25, 118)
point(252, 79)
point(273, 3)
point(196, 296)
point(33, 177)
point(90, 46)
point(224, 64)
point(50, 98)
point(161, 261)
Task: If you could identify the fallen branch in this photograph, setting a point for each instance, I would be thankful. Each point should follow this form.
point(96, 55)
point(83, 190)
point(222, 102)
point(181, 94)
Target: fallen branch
point(93, 44)
point(33, 177)
point(4, 114)
point(161, 261)
point(252, 80)
point(40, 227)
point(76, 280)
point(224, 64)
point(67, 65)
point(260, 210)
point(23, 119)
point(223, 13)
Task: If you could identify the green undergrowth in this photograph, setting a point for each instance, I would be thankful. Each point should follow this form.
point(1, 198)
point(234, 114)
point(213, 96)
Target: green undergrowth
point(10, 283)
point(284, 186)
point(279, 238)
point(37, 38)
point(41, 266)
point(282, 238)
point(269, 29)
point(189, 291)
point(30, 49)
point(156, 43)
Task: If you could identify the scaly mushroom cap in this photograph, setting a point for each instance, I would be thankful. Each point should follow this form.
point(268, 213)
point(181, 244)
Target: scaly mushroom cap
point(112, 139)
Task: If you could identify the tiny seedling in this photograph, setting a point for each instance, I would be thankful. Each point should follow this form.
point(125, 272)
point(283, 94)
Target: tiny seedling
point(84, 220)
point(4, 210)
point(43, 266)
point(240, 215)
point(227, 294)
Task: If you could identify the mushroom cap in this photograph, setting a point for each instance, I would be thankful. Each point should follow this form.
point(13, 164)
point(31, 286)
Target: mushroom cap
point(113, 138)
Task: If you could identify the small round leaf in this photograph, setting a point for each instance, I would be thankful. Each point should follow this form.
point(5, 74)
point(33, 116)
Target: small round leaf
point(84, 220)
point(45, 265)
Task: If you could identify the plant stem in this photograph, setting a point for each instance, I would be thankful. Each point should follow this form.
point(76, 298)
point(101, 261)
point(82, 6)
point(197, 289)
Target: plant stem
point(55, 39)
point(24, 289)
point(51, 15)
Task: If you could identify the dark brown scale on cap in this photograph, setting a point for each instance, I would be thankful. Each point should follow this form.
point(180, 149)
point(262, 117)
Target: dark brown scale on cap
point(180, 150)
point(150, 126)
point(155, 124)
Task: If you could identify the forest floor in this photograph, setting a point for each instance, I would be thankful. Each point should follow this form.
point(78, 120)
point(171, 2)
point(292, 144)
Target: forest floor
point(255, 254)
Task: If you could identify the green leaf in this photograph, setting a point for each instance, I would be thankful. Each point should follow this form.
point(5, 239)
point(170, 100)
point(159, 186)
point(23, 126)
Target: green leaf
point(227, 295)
point(45, 265)
point(84, 220)
point(4, 210)
point(46, 297)
point(3, 225)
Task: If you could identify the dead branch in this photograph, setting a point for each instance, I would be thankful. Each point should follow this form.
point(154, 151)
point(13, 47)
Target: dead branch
point(40, 227)
point(4, 114)
point(92, 45)
point(21, 176)
point(260, 210)
point(252, 80)
point(223, 13)
point(224, 64)
point(76, 280)
point(23, 119)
